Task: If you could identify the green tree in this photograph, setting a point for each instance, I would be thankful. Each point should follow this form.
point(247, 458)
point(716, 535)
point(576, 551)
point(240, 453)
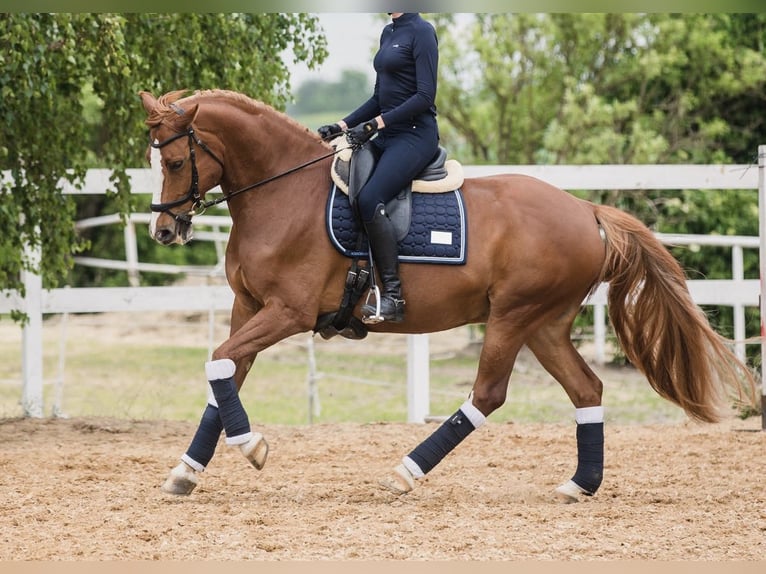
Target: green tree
point(603, 88)
point(345, 95)
point(69, 85)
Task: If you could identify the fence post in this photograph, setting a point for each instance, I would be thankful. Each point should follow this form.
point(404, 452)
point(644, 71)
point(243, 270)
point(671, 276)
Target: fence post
point(314, 409)
point(738, 274)
point(599, 332)
point(762, 259)
point(418, 382)
point(32, 339)
point(131, 253)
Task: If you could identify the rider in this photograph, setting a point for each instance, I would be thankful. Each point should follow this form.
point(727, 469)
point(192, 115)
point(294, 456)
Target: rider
point(402, 113)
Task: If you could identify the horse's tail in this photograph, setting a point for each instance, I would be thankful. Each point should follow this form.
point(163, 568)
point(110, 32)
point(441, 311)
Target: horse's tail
point(659, 327)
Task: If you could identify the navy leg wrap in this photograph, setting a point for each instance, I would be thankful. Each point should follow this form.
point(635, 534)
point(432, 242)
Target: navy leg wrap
point(431, 451)
point(205, 440)
point(230, 409)
point(590, 456)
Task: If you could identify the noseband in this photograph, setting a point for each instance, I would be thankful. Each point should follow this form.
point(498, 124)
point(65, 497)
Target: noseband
point(193, 194)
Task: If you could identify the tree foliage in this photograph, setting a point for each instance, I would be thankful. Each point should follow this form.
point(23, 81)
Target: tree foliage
point(69, 85)
point(314, 96)
point(603, 88)
point(513, 88)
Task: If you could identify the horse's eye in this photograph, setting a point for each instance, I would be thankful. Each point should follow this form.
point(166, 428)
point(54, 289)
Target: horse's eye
point(175, 165)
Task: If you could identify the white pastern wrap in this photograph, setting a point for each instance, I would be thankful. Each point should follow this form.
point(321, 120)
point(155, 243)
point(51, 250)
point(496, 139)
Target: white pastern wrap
point(587, 415)
point(155, 183)
point(239, 439)
point(220, 369)
point(192, 463)
point(473, 414)
point(413, 467)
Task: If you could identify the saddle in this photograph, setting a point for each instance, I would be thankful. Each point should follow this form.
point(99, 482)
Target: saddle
point(439, 176)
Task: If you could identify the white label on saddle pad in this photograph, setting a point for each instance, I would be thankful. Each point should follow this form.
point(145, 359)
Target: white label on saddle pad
point(441, 237)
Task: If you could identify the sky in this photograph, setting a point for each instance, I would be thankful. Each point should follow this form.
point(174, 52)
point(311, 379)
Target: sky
point(352, 38)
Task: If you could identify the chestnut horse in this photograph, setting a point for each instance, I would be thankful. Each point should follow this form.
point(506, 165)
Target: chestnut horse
point(535, 254)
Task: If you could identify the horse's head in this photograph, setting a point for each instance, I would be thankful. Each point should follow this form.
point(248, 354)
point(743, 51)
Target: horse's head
point(172, 153)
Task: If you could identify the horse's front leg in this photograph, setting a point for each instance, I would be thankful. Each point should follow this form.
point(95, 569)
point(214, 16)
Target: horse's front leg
point(183, 478)
point(224, 410)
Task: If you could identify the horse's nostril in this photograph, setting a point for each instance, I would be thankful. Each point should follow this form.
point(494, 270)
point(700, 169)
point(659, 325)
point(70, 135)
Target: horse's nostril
point(164, 236)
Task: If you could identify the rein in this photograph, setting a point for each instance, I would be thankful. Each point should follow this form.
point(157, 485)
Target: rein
point(198, 205)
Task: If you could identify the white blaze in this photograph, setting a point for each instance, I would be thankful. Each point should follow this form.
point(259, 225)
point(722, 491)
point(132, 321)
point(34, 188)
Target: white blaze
point(155, 183)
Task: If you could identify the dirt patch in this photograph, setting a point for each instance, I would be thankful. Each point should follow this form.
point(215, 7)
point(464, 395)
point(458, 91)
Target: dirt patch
point(88, 489)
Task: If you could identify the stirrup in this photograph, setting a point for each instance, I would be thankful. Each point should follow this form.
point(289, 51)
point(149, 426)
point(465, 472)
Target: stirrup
point(377, 317)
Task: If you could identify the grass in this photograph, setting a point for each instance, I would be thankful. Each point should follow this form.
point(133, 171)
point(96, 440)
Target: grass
point(131, 371)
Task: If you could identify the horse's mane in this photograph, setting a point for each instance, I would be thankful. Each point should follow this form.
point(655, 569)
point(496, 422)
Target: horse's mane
point(169, 103)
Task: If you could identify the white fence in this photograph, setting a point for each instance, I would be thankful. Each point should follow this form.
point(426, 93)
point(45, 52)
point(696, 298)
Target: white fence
point(736, 292)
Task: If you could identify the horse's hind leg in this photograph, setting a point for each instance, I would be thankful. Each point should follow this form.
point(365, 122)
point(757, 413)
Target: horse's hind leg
point(553, 347)
point(502, 342)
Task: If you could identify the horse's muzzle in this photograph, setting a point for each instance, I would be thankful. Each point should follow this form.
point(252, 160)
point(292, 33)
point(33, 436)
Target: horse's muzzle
point(179, 233)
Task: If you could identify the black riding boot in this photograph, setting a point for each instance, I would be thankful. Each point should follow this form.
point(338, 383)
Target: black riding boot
point(385, 251)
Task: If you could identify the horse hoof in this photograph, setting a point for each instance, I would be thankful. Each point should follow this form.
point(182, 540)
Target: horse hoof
point(399, 481)
point(570, 492)
point(182, 480)
point(256, 450)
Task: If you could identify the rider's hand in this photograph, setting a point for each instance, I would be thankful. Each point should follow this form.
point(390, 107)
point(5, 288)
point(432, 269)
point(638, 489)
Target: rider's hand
point(329, 131)
point(361, 134)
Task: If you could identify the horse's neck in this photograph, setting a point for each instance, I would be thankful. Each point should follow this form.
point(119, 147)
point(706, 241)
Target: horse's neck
point(262, 146)
point(268, 150)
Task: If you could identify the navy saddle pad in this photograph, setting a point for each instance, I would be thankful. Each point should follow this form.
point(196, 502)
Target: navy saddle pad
point(437, 233)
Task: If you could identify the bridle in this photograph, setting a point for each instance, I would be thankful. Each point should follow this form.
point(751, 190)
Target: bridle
point(193, 195)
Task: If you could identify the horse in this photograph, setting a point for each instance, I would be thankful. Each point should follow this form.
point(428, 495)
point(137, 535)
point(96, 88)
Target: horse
point(535, 254)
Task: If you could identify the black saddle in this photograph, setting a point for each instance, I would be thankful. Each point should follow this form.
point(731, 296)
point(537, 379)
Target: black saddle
point(399, 209)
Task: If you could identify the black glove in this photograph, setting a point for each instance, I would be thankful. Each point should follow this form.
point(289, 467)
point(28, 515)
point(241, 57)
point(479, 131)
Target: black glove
point(361, 134)
point(329, 131)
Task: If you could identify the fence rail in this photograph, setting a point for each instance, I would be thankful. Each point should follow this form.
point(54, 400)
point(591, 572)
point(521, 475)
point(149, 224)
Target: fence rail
point(736, 292)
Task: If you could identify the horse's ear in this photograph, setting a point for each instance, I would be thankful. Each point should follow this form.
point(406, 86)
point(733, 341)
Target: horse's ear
point(190, 114)
point(183, 117)
point(149, 101)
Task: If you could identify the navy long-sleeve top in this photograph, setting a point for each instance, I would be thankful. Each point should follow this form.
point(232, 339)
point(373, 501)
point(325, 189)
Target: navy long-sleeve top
point(405, 64)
